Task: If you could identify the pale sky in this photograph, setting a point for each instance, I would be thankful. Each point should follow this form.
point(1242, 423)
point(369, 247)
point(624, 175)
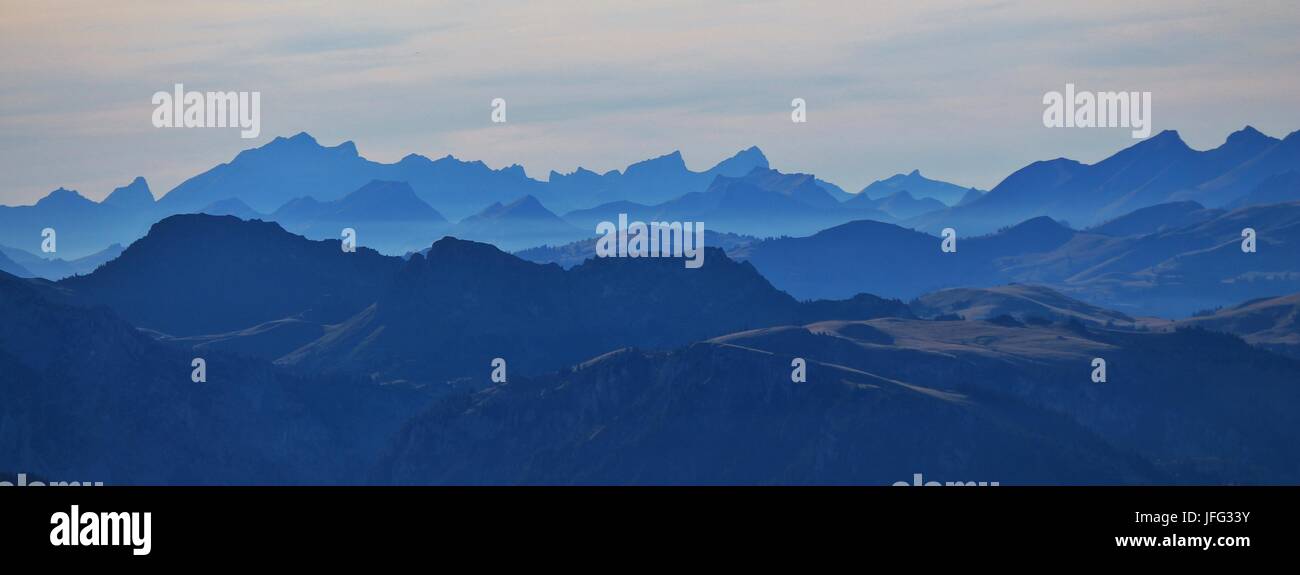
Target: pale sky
point(952, 89)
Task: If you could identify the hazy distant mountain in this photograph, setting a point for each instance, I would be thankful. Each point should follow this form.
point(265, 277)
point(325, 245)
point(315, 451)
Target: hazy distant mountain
point(1278, 188)
point(199, 274)
point(648, 182)
point(82, 227)
point(763, 202)
point(900, 205)
point(1273, 157)
point(265, 178)
point(1168, 273)
point(58, 268)
point(287, 168)
point(522, 223)
point(835, 191)
point(232, 207)
point(885, 259)
point(1200, 266)
point(90, 398)
point(917, 186)
point(970, 196)
point(386, 216)
point(1157, 218)
point(1156, 170)
point(133, 196)
point(12, 267)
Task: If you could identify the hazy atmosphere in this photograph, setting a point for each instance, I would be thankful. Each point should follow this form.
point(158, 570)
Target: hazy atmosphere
point(890, 86)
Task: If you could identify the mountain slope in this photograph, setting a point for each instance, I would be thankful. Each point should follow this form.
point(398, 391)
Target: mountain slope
point(219, 273)
point(721, 414)
point(1157, 170)
point(1024, 303)
point(522, 223)
point(89, 397)
point(917, 186)
point(900, 205)
point(1157, 218)
point(1272, 323)
point(473, 303)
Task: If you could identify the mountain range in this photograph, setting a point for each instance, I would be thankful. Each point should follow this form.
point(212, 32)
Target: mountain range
point(885, 398)
point(329, 366)
point(1193, 261)
point(977, 364)
point(286, 178)
point(311, 188)
point(1157, 170)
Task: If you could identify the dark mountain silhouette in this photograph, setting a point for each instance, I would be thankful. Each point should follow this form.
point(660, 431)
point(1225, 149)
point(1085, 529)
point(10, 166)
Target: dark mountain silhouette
point(88, 396)
point(714, 413)
point(199, 274)
point(917, 186)
point(1165, 397)
point(574, 253)
point(881, 403)
point(268, 341)
point(472, 303)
